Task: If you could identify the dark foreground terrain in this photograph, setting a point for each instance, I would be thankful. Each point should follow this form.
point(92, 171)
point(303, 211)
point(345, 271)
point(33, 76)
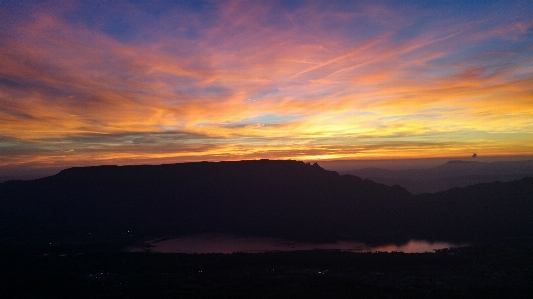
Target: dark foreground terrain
point(503, 270)
point(282, 199)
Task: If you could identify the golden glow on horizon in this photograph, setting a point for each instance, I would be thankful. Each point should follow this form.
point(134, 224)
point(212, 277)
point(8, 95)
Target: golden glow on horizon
point(314, 84)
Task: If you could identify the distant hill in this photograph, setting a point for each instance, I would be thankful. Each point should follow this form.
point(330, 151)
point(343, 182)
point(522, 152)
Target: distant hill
point(284, 199)
point(476, 212)
point(448, 175)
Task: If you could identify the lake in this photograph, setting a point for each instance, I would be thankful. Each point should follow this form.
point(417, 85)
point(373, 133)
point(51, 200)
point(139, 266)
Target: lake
point(224, 243)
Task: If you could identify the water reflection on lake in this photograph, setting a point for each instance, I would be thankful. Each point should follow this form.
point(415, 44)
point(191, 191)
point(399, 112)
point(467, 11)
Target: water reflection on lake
point(222, 243)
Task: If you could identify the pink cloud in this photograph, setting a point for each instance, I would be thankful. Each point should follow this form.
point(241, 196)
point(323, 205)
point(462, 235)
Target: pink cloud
point(314, 66)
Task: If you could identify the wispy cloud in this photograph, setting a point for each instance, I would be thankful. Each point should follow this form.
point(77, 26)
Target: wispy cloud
point(236, 79)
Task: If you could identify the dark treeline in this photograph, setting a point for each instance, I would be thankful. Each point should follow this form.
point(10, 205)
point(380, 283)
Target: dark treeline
point(285, 199)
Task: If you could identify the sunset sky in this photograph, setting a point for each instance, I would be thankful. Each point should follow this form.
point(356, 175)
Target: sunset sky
point(131, 82)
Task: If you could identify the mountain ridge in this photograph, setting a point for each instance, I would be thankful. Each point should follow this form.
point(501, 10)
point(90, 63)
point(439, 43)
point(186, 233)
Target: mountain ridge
point(269, 198)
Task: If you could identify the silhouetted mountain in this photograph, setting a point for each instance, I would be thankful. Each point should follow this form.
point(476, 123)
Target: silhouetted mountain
point(286, 199)
point(270, 198)
point(448, 175)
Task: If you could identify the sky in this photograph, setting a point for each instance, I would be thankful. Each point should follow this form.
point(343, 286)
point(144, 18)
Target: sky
point(137, 82)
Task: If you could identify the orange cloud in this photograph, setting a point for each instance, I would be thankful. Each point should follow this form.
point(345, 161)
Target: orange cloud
point(244, 80)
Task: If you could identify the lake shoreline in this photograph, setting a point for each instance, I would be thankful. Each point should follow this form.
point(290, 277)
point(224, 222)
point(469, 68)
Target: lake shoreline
point(229, 243)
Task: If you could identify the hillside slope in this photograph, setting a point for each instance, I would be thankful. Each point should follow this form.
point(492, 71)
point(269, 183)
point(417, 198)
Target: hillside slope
point(448, 175)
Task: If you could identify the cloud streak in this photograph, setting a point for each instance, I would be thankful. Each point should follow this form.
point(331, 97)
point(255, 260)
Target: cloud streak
point(134, 82)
